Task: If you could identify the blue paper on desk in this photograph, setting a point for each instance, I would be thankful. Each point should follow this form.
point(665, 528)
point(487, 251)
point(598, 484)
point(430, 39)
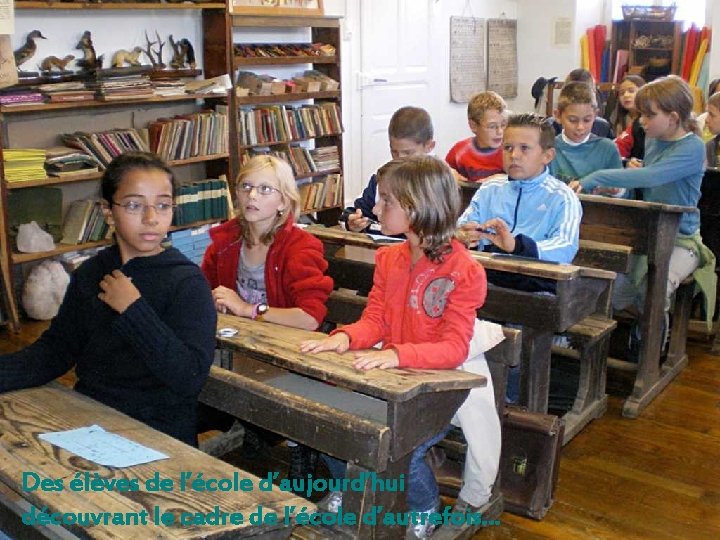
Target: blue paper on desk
point(103, 447)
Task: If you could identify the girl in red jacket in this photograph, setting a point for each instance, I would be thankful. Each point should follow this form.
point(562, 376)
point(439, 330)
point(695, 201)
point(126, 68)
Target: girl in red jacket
point(263, 267)
point(423, 303)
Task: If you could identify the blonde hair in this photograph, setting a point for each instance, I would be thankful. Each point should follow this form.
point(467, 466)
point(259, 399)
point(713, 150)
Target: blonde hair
point(576, 93)
point(482, 102)
point(425, 189)
point(669, 94)
point(286, 186)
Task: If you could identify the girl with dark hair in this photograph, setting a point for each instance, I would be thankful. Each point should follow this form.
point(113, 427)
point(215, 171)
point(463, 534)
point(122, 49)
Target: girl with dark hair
point(137, 321)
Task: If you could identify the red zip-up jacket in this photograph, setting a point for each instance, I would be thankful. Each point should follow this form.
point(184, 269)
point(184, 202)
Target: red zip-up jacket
point(294, 269)
point(425, 312)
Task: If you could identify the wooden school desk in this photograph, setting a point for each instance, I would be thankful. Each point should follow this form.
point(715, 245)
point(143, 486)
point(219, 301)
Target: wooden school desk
point(372, 419)
point(579, 292)
point(24, 414)
point(649, 229)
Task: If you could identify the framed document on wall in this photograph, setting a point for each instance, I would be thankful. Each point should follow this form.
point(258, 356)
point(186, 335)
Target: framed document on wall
point(278, 8)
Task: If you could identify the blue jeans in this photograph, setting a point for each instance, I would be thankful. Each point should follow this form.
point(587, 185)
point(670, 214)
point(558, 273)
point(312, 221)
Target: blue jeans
point(423, 493)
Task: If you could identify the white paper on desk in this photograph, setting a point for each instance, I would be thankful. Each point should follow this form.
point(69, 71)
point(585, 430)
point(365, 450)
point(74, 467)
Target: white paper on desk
point(103, 447)
point(382, 239)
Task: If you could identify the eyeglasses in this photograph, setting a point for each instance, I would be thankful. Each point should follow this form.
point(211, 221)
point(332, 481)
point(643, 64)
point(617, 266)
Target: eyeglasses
point(135, 208)
point(262, 189)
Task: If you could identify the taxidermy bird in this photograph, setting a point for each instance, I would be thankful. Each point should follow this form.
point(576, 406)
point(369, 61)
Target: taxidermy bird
point(26, 52)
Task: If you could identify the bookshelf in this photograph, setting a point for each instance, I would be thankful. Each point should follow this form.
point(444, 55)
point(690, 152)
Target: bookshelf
point(39, 125)
point(227, 41)
point(645, 40)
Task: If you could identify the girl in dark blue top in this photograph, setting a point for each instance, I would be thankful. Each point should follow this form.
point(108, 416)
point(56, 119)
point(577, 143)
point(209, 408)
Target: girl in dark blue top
point(137, 321)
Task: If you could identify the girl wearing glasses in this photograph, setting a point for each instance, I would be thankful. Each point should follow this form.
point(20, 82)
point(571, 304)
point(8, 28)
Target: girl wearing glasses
point(137, 320)
point(262, 267)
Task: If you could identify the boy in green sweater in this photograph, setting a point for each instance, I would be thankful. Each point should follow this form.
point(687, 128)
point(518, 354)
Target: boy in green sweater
point(578, 152)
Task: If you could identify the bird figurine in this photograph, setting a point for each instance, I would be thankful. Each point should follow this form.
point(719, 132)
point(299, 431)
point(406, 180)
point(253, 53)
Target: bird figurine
point(26, 52)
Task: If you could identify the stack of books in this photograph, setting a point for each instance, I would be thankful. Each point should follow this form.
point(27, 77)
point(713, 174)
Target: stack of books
point(63, 161)
point(168, 87)
point(24, 164)
point(112, 88)
point(66, 91)
point(219, 85)
point(20, 97)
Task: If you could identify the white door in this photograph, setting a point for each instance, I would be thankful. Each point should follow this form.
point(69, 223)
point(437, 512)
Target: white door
point(395, 66)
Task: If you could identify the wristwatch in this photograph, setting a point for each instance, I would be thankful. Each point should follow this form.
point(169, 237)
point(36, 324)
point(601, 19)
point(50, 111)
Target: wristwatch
point(258, 311)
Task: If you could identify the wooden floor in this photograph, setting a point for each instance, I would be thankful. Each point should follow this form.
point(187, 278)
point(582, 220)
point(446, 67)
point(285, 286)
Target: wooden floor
point(654, 477)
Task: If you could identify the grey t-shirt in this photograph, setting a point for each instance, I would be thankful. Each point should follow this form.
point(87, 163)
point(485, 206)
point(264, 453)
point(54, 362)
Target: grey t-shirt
point(251, 281)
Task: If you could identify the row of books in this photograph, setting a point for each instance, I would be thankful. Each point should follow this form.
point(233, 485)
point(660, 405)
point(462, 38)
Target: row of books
point(135, 86)
point(202, 200)
point(325, 192)
point(304, 161)
point(108, 89)
point(185, 136)
point(105, 145)
point(84, 222)
point(279, 123)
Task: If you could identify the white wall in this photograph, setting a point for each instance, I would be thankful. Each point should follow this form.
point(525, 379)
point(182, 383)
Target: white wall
point(537, 57)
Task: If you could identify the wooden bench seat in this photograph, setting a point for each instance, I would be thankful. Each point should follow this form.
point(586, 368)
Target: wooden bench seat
point(603, 255)
point(590, 341)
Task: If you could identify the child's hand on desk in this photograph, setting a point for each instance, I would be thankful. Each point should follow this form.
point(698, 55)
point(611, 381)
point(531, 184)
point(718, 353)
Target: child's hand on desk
point(356, 222)
point(385, 359)
point(498, 232)
point(226, 300)
point(339, 343)
point(118, 291)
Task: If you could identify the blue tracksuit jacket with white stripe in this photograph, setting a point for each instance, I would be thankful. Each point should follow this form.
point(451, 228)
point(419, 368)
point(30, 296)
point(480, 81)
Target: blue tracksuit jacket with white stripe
point(542, 212)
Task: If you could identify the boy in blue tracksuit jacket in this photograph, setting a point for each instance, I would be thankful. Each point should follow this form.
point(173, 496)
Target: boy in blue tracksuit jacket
point(531, 214)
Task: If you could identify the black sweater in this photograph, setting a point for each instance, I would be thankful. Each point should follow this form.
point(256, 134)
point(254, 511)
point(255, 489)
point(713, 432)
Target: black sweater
point(150, 362)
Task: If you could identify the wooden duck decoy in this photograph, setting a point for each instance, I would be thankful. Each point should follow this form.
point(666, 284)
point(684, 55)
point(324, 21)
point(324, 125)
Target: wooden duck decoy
point(26, 52)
